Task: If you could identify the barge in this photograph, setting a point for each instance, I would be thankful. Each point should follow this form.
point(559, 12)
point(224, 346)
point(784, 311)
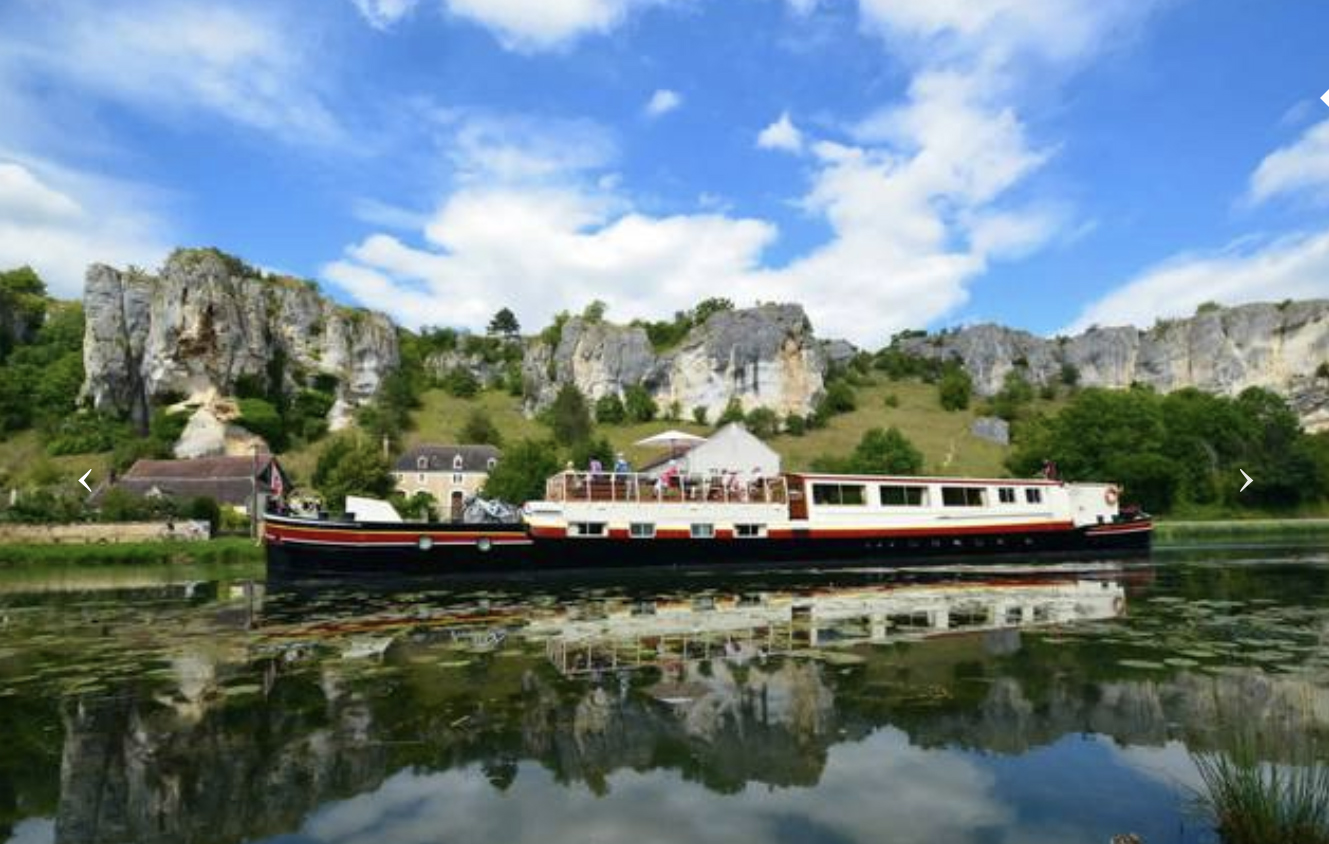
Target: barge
point(608, 520)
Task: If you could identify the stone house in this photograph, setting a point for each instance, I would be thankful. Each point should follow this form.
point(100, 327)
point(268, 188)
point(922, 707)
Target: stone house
point(228, 480)
point(450, 473)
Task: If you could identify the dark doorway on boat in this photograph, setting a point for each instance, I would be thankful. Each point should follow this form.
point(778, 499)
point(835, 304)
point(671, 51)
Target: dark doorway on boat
point(458, 505)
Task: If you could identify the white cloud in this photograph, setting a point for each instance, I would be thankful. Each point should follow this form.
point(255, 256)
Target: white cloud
point(662, 102)
point(382, 14)
point(1301, 168)
point(58, 222)
point(171, 60)
point(1293, 267)
point(782, 134)
point(533, 25)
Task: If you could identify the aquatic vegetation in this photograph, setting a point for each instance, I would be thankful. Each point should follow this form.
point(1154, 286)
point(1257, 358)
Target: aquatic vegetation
point(1253, 800)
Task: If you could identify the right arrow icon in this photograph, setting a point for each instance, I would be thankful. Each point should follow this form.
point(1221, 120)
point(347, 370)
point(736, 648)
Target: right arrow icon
point(1249, 480)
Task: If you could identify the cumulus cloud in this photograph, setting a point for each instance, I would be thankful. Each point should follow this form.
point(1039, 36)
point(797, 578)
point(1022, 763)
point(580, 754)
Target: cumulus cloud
point(534, 25)
point(1292, 267)
point(173, 60)
point(782, 134)
point(58, 222)
point(662, 102)
point(1300, 168)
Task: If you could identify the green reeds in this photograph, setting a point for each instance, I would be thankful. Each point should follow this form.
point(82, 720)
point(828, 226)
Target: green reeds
point(1252, 800)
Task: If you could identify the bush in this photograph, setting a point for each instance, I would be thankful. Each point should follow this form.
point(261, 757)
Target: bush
point(839, 399)
point(260, 417)
point(86, 433)
point(480, 429)
point(795, 425)
point(520, 476)
point(891, 400)
point(699, 414)
point(569, 417)
point(1015, 394)
point(955, 389)
point(762, 422)
point(1070, 375)
point(350, 465)
point(458, 381)
point(639, 404)
point(609, 410)
point(733, 412)
point(205, 509)
point(674, 412)
point(886, 452)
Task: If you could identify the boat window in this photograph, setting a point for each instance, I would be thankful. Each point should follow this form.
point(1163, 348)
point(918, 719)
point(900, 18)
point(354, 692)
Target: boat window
point(1006, 495)
point(641, 530)
point(903, 496)
point(962, 496)
point(749, 530)
point(839, 494)
point(703, 530)
point(587, 528)
point(1033, 495)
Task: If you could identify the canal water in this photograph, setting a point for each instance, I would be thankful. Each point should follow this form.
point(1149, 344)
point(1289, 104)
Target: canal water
point(1001, 704)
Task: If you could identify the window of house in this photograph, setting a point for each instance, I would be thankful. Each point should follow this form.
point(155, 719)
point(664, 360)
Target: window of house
point(1033, 495)
point(493, 461)
point(586, 528)
point(749, 531)
point(457, 477)
point(839, 494)
point(422, 463)
point(641, 530)
point(962, 496)
point(903, 496)
point(457, 463)
point(1006, 495)
point(703, 530)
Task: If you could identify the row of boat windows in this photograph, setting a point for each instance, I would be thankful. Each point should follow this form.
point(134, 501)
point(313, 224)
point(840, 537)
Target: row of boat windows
point(901, 495)
point(646, 530)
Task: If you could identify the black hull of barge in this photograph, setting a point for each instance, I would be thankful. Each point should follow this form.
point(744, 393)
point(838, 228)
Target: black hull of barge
point(300, 561)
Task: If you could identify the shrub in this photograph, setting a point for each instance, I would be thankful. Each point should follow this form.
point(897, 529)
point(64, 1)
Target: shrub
point(1070, 375)
point(569, 417)
point(891, 400)
point(795, 425)
point(639, 404)
point(762, 422)
point(259, 416)
point(733, 412)
point(955, 389)
point(699, 414)
point(204, 509)
point(886, 452)
point(839, 398)
point(460, 382)
point(609, 409)
point(479, 429)
point(350, 465)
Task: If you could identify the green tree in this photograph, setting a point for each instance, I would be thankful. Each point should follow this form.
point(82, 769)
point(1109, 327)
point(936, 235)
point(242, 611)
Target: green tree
point(479, 429)
point(205, 509)
point(886, 452)
point(460, 382)
point(259, 416)
point(699, 414)
point(1070, 375)
point(795, 425)
point(707, 308)
point(569, 417)
point(23, 300)
point(733, 412)
point(1013, 398)
point(351, 465)
point(609, 410)
point(421, 505)
point(595, 312)
point(520, 476)
point(639, 405)
point(504, 323)
point(955, 389)
point(762, 422)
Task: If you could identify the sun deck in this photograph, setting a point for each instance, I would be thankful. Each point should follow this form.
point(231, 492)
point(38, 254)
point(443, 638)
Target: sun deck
point(633, 487)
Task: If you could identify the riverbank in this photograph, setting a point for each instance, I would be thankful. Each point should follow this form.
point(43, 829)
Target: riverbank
point(1195, 529)
point(225, 550)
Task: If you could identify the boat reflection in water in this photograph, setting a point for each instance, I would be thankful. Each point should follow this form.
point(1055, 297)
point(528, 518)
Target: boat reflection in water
point(956, 705)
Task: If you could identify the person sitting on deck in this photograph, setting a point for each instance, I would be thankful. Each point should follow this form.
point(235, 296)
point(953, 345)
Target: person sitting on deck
point(668, 478)
point(595, 467)
point(621, 465)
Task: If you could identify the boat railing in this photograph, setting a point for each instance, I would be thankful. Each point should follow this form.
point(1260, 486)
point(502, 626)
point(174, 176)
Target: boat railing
point(635, 487)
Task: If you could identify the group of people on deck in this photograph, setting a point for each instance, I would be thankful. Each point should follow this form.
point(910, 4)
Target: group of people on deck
point(732, 482)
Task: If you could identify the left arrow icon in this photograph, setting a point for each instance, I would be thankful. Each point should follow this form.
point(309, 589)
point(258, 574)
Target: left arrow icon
point(84, 480)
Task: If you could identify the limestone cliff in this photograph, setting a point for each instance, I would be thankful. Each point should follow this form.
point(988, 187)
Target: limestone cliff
point(765, 356)
point(1219, 350)
point(206, 320)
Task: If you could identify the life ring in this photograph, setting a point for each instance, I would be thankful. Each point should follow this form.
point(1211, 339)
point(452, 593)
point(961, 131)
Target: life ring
point(484, 544)
point(425, 543)
point(1111, 495)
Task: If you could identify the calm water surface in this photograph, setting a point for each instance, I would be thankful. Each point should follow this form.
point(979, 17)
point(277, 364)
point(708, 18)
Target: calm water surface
point(997, 705)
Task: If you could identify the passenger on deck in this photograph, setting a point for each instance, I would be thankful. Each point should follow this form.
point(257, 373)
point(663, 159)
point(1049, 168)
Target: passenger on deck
point(596, 468)
point(621, 465)
point(668, 478)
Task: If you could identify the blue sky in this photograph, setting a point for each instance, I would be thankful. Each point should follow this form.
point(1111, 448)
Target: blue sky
point(1048, 164)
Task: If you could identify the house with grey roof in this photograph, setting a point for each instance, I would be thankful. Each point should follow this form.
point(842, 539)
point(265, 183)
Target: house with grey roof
point(450, 473)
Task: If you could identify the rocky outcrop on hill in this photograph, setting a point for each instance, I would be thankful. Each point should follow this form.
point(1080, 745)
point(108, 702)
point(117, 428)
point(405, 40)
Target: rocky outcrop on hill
point(206, 321)
point(765, 356)
point(1219, 350)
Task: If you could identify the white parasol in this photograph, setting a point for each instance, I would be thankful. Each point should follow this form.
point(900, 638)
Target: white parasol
point(675, 441)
